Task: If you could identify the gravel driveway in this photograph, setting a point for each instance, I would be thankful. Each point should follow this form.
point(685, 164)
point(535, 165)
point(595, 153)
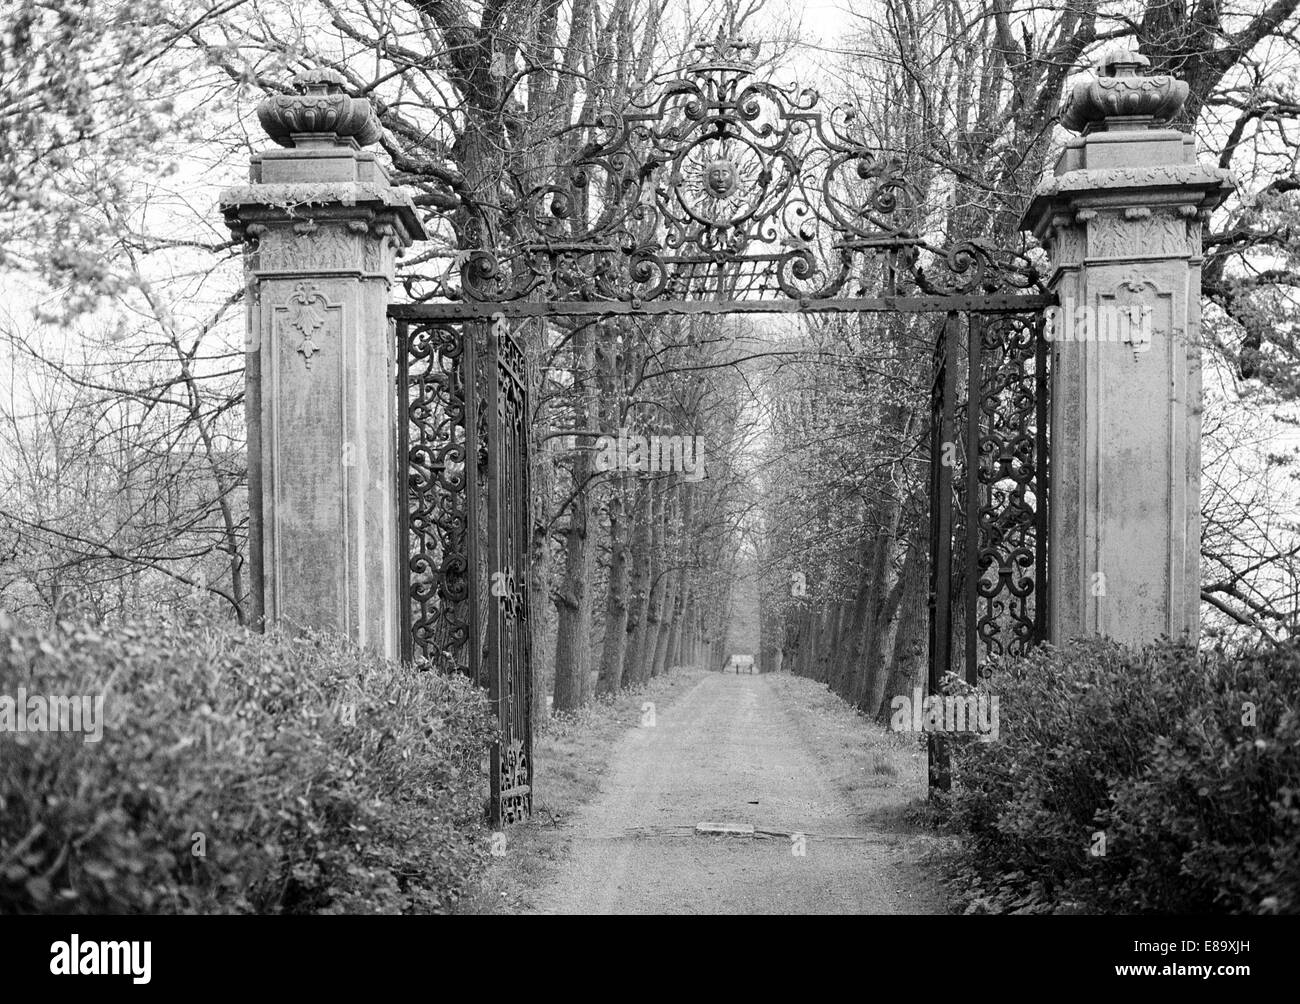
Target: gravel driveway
point(729, 751)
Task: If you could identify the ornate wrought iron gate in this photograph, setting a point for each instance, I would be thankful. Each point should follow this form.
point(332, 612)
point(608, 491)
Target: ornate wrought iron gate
point(988, 497)
point(463, 452)
point(508, 662)
point(712, 193)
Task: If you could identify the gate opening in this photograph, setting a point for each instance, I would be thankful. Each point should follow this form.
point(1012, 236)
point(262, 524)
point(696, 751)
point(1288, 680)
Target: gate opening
point(713, 193)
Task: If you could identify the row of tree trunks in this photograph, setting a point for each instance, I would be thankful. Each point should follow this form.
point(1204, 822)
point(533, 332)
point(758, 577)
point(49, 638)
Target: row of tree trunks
point(857, 631)
point(653, 618)
point(886, 649)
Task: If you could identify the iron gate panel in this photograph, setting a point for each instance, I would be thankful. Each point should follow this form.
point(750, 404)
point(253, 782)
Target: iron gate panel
point(465, 524)
point(508, 661)
point(989, 441)
point(1006, 489)
point(435, 366)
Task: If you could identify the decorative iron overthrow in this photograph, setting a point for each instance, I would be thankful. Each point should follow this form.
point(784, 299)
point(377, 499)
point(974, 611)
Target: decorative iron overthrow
point(715, 185)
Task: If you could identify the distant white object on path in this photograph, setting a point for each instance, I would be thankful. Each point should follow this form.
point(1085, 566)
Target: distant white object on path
point(740, 663)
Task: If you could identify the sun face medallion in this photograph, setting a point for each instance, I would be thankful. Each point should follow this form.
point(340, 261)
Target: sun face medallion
point(720, 177)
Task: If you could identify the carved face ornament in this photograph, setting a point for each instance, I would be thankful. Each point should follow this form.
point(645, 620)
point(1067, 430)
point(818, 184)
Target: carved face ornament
point(720, 178)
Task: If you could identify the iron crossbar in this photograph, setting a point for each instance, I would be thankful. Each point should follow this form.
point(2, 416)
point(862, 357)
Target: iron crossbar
point(478, 310)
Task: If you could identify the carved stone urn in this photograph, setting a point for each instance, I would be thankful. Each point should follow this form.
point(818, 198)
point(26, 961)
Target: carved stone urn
point(318, 113)
point(1121, 97)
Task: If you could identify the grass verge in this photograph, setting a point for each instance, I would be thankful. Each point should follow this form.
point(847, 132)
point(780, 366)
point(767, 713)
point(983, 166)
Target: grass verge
point(882, 774)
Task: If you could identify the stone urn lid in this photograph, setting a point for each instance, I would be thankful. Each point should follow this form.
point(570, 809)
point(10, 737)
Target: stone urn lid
point(318, 113)
point(1120, 96)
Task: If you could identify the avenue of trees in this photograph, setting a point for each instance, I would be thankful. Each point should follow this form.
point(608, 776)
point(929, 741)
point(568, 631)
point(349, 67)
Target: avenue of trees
point(122, 484)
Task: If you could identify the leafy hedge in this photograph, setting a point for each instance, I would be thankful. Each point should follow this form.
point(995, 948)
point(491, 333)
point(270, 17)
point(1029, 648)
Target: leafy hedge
point(237, 773)
point(1148, 756)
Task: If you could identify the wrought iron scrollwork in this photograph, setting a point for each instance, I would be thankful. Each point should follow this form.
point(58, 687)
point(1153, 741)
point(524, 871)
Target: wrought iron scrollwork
point(1007, 471)
point(514, 782)
point(994, 508)
point(466, 524)
point(716, 185)
point(434, 444)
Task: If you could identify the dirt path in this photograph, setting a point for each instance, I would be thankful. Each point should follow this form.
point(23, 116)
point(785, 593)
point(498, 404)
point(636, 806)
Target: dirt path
point(735, 749)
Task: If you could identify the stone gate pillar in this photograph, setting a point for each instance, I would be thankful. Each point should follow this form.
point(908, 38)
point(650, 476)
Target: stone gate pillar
point(321, 226)
point(1122, 220)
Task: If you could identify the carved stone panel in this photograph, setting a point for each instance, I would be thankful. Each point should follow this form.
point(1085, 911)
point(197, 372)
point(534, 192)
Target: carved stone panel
point(307, 248)
point(1066, 242)
point(380, 250)
point(1137, 233)
point(1144, 311)
point(307, 430)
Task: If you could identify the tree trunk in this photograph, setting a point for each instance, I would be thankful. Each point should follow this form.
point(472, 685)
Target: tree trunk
point(644, 652)
point(667, 619)
point(907, 663)
point(538, 578)
point(572, 603)
point(874, 657)
point(870, 675)
point(616, 599)
point(675, 642)
point(829, 638)
point(639, 594)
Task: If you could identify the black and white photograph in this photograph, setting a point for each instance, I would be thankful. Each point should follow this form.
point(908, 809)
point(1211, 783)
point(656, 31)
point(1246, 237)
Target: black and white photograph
point(726, 458)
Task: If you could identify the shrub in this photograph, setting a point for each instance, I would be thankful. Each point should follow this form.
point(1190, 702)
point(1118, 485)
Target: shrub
point(1153, 750)
point(238, 773)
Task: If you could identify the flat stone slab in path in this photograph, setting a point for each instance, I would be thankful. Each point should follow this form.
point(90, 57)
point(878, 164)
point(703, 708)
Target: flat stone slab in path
point(724, 829)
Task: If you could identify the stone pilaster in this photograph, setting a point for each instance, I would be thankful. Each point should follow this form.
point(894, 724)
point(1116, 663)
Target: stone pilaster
point(322, 226)
point(1122, 220)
